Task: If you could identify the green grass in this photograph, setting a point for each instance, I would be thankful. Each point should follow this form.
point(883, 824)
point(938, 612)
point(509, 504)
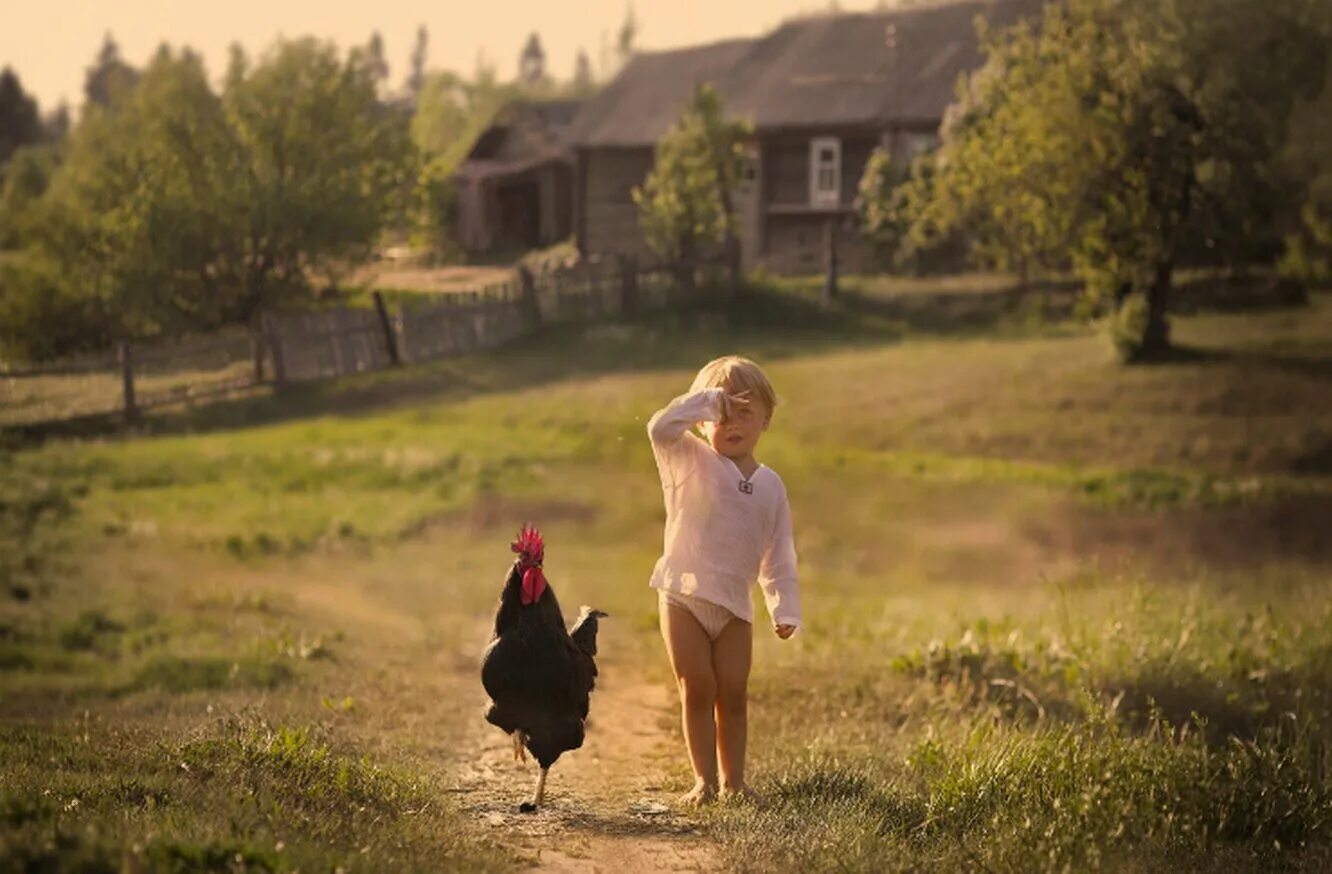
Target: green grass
point(239, 793)
point(1061, 614)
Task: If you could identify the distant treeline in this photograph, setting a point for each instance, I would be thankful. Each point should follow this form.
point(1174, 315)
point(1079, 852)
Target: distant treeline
point(171, 205)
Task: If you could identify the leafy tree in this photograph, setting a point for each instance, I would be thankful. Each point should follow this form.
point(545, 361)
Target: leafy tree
point(881, 204)
point(687, 200)
point(26, 179)
point(43, 314)
point(625, 39)
point(582, 78)
point(57, 124)
point(143, 210)
point(532, 62)
point(1308, 254)
point(372, 56)
point(20, 125)
point(416, 78)
point(123, 242)
point(322, 163)
point(109, 76)
point(1123, 135)
point(238, 65)
point(178, 208)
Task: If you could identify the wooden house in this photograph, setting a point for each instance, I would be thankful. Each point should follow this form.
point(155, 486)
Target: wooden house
point(821, 93)
point(515, 188)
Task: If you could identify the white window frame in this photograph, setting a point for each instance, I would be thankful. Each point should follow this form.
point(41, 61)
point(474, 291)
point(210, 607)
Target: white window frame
point(821, 172)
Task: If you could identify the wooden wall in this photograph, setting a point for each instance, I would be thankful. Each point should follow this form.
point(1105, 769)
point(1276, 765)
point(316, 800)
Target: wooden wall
point(607, 216)
point(791, 241)
point(786, 166)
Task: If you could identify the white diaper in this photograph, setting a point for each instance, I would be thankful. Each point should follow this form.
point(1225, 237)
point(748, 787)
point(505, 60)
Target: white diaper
point(713, 617)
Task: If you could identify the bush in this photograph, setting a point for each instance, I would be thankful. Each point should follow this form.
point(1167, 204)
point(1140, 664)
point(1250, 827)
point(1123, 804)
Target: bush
point(1308, 255)
point(42, 315)
point(1126, 327)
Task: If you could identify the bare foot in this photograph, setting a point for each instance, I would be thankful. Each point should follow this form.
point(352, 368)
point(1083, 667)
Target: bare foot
point(701, 794)
point(743, 792)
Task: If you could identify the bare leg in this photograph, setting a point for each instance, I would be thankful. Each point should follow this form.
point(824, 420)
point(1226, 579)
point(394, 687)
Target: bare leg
point(690, 651)
point(538, 797)
point(732, 654)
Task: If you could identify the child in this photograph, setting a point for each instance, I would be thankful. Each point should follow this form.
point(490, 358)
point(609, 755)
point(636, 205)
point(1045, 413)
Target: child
point(727, 525)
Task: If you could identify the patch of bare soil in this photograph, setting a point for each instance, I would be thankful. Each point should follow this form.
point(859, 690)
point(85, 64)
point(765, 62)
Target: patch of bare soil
point(1292, 528)
point(608, 805)
point(440, 280)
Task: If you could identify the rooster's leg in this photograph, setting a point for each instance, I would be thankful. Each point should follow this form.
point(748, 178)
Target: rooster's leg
point(519, 754)
point(538, 796)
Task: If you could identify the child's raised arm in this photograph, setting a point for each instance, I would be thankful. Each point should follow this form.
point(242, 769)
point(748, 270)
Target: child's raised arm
point(673, 421)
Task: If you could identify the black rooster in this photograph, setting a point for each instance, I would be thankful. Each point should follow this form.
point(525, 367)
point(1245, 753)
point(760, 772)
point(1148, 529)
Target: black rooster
point(538, 677)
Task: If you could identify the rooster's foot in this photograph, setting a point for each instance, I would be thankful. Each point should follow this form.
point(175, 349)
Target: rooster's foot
point(519, 754)
point(537, 797)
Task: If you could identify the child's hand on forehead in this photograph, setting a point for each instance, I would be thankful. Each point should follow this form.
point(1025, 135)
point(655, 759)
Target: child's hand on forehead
point(730, 401)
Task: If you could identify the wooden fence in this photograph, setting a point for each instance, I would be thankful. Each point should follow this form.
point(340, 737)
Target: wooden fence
point(321, 344)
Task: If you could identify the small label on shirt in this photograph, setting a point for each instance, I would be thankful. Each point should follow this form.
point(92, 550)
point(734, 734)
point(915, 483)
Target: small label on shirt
point(747, 487)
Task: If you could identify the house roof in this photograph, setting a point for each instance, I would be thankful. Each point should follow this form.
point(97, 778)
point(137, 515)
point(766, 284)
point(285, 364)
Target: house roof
point(638, 106)
point(523, 130)
point(869, 69)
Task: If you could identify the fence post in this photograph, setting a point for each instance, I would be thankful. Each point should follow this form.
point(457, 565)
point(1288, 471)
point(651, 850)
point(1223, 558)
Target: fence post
point(127, 381)
point(531, 307)
point(400, 330)
point(390, 341)
point(628, 286)
point(734, 269)
point(257, 349)
point(830, 254)
point(275, 347)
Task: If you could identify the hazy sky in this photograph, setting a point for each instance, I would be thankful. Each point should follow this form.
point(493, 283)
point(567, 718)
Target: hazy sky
point(50, 46)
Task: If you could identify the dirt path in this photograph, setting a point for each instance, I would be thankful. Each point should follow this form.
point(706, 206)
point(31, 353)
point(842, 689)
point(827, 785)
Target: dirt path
point(608, 805)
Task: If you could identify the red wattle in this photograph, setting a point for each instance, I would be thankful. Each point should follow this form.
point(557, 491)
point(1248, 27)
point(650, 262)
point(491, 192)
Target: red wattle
point(534, 583)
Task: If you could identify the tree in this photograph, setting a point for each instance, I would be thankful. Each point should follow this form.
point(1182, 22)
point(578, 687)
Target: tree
point(625, 39)
point(416, 78)
point(238, 65)
point(322, 163)
point(881, 205)
point(688, 199)
point(143, 211)
point(1121, 136)
point(20, 124)
point(532, 62)
point(1308, 243)
point(177, 208)
point(57, 124)
point(25, 180)
point(372, 56)
point(582, 77)
point(109, 76)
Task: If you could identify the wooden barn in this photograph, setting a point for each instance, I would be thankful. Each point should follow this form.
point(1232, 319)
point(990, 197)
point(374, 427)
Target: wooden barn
point(821, 92)
point(515, 188)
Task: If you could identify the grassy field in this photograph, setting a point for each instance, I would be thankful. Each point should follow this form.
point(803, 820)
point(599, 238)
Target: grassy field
point(1060, 614)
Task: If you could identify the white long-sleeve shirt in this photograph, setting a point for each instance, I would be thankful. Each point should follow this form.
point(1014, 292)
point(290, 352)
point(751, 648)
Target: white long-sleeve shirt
point(723, 532)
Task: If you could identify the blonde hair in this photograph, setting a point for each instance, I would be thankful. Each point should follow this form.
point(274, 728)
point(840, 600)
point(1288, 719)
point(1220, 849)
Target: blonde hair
point(736, 374)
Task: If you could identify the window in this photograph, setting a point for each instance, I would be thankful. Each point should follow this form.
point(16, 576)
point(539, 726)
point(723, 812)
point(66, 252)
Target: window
point(825, 171)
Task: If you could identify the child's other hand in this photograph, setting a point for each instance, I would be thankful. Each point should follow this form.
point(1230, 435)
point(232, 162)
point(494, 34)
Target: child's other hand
point(785, 631)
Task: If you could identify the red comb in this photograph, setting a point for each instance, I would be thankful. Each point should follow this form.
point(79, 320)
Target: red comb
point(529, 545)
